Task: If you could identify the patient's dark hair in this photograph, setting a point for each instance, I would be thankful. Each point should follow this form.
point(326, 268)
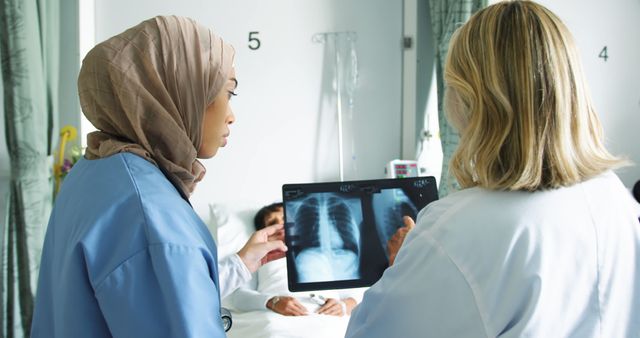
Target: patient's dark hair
point(258, 220)
point(636, 191)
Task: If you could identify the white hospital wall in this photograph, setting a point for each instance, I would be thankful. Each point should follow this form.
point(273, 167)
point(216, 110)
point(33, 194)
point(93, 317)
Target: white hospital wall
point(614, 83)
point(273, 139)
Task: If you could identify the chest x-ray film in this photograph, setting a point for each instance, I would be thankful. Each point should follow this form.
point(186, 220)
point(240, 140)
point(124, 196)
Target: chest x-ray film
point(337, 232)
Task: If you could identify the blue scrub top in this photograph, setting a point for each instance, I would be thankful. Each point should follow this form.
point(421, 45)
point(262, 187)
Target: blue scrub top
point(125, 256)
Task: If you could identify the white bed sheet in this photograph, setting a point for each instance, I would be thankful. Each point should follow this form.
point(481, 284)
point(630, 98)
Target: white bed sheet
point(268, 324)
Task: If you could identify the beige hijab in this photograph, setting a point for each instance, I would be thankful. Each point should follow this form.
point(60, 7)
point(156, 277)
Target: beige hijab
point(146, 91)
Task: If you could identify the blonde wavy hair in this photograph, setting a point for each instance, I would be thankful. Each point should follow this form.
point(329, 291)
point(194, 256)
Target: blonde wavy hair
point(517, 95)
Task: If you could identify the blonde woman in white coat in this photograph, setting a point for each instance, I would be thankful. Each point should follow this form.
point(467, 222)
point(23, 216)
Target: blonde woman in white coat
point(543, 240)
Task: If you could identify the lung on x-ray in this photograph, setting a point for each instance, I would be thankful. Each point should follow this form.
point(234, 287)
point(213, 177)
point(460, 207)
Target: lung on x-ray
point(326, 233)
point(337, 232)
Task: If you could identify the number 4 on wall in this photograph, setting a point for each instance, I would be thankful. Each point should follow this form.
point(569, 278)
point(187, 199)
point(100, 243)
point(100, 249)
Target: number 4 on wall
point(603, 54)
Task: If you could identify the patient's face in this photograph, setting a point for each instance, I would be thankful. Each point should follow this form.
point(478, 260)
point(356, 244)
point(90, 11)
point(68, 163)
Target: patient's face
point(276, 217)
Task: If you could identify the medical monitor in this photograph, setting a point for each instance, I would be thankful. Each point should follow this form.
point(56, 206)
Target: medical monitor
point(337, 232)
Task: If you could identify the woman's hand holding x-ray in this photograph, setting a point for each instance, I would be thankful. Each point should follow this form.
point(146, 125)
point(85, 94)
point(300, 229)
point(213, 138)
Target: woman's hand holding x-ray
point(264, 246)
point(395, 242)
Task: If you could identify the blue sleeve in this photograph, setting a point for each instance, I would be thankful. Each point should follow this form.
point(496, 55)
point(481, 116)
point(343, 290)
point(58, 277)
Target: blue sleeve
point(164, 291)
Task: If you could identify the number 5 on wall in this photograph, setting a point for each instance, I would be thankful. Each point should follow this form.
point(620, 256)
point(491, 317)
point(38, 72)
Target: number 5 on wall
point(254, 42)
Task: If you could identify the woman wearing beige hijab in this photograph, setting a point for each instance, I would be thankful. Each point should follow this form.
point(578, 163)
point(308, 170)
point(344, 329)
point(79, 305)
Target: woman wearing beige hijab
point(125, 255)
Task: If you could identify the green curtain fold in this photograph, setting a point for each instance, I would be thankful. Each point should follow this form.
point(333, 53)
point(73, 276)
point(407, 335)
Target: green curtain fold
point(446, 17)
point(29, 54)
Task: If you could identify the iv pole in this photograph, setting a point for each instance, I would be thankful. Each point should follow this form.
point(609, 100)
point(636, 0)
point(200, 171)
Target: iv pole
point(339, 103)
point(321, 38)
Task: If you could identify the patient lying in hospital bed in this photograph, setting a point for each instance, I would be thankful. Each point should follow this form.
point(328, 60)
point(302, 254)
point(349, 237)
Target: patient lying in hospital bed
point(260, 308)
point(254, 314)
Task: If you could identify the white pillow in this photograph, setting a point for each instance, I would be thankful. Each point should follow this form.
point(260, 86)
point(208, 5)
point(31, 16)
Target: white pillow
point(228, 229)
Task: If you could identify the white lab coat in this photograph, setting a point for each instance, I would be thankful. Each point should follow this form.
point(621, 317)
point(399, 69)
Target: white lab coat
point(233, 274)
point(479, 263)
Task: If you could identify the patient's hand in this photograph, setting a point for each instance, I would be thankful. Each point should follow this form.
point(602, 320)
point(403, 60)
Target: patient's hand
point(395, 242)
point(287, 306)
point(335, 307)
point(262, 248)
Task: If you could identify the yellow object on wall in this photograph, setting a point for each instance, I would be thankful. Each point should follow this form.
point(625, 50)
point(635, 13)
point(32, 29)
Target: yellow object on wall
point(63, 165)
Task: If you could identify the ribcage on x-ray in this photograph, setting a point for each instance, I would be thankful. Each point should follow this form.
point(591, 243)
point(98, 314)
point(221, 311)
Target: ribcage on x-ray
point(340, 216)
point(307, 220)
point(324, 221)
point(325, 237)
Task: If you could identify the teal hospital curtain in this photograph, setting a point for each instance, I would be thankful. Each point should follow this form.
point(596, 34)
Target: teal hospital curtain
point(29, 49)
point(446, 17)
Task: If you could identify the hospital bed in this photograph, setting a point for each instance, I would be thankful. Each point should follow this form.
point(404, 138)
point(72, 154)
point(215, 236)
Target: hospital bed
point(231, 231)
